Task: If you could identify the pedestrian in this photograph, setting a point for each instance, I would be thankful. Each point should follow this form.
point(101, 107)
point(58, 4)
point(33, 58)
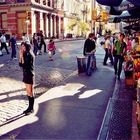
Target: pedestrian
point(26, 61)
point(43, 41)
point(25, 38)
point(89, 51)
point(119, 53)
point(35, 43)
point(108, 50)
point(51, 49)
point(3, 42)
point(39, 44)
point(13, 46)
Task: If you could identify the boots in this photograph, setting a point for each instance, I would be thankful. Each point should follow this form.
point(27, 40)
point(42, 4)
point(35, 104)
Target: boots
point(30, 107)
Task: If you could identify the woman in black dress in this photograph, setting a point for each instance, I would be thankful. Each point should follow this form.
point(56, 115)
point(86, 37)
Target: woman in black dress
point(26, 61)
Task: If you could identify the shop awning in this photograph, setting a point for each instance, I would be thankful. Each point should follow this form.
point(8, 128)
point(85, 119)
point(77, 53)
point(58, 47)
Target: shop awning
point(135, 27)
point(135, 2)
point(109, 2)
point(125, 17)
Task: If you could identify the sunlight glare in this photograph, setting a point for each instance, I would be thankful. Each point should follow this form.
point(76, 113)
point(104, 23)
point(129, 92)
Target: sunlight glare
point(1, 65)
point(89, 93)
point(60, 91)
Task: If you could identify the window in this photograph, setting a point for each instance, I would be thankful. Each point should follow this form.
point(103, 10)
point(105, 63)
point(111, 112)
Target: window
point(44, 2)
point(4, 20)
point(38, 1)
point(49, 3)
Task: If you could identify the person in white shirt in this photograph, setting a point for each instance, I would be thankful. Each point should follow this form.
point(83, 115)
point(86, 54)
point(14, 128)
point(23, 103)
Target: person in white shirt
point(108, 51)
point(3, 43)
point(26, 39)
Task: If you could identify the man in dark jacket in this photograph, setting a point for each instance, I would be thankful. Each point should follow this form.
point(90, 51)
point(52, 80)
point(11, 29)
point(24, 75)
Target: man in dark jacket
point(89, 51)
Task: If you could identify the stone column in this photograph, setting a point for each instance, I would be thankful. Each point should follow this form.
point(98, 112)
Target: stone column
point(57, 27)
point(49, 25)
point(52, 30)
point(33, 22)
point(41, 21)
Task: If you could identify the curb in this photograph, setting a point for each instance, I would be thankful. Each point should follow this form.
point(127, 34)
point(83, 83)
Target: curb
point(106, 119)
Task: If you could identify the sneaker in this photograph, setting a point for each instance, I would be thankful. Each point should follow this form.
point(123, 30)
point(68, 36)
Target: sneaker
point(15, 58)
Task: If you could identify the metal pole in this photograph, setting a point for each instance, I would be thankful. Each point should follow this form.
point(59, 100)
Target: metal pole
point(93, 3)
point(91, 16)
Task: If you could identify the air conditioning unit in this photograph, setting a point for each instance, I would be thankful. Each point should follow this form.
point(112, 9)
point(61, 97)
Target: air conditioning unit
point(2, 1)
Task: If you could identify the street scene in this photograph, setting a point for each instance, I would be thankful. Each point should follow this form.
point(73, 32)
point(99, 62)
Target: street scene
point(69, 70)
point(65, 101)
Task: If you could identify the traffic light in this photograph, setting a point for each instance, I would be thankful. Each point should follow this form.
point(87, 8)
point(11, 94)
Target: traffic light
point(27, 15)
point(94, 14)
point(104, 16)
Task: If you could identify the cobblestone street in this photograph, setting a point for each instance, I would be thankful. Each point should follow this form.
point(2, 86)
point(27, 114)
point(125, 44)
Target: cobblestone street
point(12, 93)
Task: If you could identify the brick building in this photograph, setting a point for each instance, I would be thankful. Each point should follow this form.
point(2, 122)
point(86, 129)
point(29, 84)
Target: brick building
point(29, 16)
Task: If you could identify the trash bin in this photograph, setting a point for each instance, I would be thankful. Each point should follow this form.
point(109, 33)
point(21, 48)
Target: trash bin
point(81, 61)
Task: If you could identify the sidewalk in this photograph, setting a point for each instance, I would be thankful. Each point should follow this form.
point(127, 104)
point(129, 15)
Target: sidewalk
point(58, 40)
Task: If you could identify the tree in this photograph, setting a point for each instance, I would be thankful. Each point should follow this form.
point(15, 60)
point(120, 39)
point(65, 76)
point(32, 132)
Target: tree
point(83, 27)
point(71, 25)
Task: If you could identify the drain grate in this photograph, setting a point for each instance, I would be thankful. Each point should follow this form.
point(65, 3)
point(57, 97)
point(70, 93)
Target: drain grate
point(120, 124)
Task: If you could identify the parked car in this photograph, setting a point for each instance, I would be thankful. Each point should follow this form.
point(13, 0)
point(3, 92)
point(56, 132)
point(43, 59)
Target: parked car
point(69, 35)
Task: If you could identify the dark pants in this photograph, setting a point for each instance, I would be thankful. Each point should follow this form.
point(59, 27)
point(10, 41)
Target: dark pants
point(13, 54)
point(118, 61)
point(3, 45)
point(43, 43)
point(108, 54)
point(35, 49)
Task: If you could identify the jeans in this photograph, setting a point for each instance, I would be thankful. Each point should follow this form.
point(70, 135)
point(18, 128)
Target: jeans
point(90, 59)
point(108, 54)
point(43, 43)
point(3, 45)
point(118, 61)
point(13, 54)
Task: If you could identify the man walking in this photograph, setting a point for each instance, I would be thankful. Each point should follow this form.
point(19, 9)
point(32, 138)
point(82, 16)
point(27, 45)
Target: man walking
point(108, 50)
point(3, 42)
point(89, 51)
point(120, 50)
point(42, 41)
point(13, 45)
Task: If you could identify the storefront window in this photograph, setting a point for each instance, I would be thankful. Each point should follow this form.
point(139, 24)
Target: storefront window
point(4, 20)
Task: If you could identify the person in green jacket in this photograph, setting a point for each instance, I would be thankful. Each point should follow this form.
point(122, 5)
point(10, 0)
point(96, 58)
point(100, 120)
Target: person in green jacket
point(120, 50)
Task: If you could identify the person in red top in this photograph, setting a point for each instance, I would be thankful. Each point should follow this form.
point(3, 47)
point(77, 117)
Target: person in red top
point(51, 49)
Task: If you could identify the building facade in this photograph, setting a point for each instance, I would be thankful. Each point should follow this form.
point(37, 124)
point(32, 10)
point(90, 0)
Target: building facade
point(75, 10)
point(30, 16)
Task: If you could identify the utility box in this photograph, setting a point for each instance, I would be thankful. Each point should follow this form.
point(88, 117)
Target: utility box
point(81, 62)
